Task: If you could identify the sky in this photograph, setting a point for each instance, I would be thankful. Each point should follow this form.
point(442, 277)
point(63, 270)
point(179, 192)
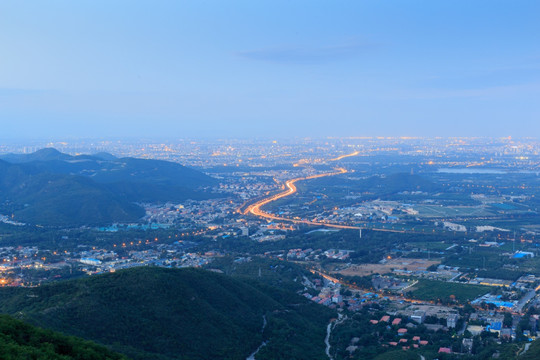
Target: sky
point(102, 68)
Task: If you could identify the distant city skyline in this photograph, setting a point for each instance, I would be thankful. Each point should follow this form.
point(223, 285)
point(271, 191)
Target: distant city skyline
point(101, 69)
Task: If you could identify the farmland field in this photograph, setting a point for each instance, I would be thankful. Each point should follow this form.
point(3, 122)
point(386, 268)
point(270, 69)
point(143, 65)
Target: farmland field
point(393, 264)
point(436, 211)
point(433, 290)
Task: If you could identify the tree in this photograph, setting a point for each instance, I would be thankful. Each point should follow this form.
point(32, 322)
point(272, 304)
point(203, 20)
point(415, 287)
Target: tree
point(507, 322)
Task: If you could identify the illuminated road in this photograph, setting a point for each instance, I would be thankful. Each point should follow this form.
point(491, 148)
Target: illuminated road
point(345, 156)
point(354, 287)
point(255, 208)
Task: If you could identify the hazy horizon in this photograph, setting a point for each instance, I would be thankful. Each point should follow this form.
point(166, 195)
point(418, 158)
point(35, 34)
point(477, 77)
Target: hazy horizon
point(269, 69)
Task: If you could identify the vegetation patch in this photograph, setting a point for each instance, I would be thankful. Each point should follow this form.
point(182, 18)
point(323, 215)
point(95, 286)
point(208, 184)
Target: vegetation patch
point(446, 292)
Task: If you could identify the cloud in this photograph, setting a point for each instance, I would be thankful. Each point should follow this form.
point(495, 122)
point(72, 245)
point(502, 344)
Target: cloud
point(501, 92)
point(489, 78)
point(496, 82)
point(302, 55)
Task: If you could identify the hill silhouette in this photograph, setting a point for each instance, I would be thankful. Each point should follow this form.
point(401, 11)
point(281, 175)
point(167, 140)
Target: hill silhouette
point(55, 199)
point(45, 154)
point(51, 188)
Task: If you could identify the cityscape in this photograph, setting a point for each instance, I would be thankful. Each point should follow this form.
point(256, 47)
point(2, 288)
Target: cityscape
point(269, 180)
point(437, 235)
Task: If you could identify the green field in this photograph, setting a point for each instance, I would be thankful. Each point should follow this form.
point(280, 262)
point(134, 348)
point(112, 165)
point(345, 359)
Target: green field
point(438, 290)
point(436, 211)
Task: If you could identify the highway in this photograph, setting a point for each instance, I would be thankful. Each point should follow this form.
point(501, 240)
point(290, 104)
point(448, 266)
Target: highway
point(381, 293)
point(255, 209)
point(345, 156)
point(290, 187)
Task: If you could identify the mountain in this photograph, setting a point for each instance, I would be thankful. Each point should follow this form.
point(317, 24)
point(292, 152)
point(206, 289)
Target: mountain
point(105, 156)
point(106, 168)
point(19, 340)
point(158, 313)
point(51, 188)
point(41, 198)
point(46, 154)
point(137, 180)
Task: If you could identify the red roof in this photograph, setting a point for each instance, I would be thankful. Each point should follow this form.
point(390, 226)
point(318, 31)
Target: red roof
point(396, 321)
point(402, 331)
point(445, 350)
point(385, 318)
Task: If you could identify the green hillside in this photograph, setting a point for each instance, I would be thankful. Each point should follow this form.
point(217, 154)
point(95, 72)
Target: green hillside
point(533, 353)
point(51, 188)
point(56, 199)
point(46, 154)
point(157, 313)
point(105, 168)
point(23, 341)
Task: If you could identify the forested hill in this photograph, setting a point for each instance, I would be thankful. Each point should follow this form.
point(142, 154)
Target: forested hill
point(51, 188)
point(533, 353)
point(56, 199)
point(19, 340)
point(157, 313)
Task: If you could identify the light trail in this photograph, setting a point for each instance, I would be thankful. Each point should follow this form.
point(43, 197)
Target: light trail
point(255, 208)
point(345, 156)
point(381, 293)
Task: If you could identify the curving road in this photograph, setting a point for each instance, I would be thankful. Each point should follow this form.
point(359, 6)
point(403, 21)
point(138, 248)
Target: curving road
point(290, 186)
point(255, 209)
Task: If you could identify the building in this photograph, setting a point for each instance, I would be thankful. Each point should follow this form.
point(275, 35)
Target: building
point(90, 261)
point(418, 316)
point(506, 333)
point(451, 320)
point(475, 329)
point(467, 345)
point(523, 254)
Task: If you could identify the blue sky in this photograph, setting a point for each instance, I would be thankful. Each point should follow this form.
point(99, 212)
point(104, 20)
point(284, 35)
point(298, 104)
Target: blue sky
point(269, 68)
